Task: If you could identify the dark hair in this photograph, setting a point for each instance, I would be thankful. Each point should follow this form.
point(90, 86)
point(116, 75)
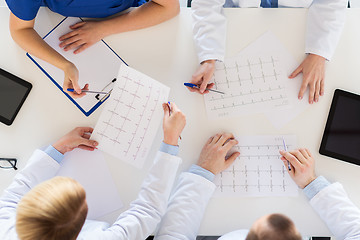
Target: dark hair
point(279, 227)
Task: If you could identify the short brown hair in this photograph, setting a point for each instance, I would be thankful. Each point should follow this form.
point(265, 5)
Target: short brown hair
point(280, 227)
point(55, 209)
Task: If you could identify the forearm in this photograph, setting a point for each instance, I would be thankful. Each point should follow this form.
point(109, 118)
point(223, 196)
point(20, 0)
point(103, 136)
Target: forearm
point(149, 14)
point(146, 211)
point(187, 205)
point(30, 41)
point(324, 26)
point(209, 29)
point(335, 208)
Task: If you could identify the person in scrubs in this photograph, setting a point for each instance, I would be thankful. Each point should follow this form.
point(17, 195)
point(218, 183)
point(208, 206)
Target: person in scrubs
point(325, 22)
point(83, 34)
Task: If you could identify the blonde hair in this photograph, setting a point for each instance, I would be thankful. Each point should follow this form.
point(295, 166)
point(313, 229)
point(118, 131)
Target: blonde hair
point(55, 209)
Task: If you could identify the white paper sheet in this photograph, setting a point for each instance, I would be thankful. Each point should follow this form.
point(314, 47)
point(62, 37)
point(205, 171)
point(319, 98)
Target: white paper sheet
point(258, 171)
point(269, 44)
point(129, 122)
point(102, 195)
point(98, 65)
point(252, 84)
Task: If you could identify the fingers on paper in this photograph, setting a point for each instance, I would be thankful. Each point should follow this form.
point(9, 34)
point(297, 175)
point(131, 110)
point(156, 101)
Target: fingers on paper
point(82, 48)
point(231, 159)
point(84, 130)
point(86, 148)
point(296, 72)
point(312, 87)
point(77, 25)
point(225, 137)
point(302, 89)
point(68, 35)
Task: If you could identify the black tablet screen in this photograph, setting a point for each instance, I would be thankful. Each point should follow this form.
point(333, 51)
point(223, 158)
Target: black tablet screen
point(11, 96)
point(343, 135)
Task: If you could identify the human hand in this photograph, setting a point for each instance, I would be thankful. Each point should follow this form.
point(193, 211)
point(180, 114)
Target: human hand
point(71, 81)
point(202, 76)
point(82, 36)
point(213, 155)
point(173, 124)
point(313, 69)
point(303, 166)
point(77, 138)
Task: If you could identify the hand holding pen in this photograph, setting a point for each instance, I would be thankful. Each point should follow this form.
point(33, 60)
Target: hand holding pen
point(303, 166)
point(285, 149)
point(173, 124)
point(194, 86)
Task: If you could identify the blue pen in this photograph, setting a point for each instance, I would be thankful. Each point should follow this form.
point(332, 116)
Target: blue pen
point(289, 167)
point(196, 86)
point(87, 91)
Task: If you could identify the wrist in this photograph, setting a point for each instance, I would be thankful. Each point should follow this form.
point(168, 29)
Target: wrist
point(210, 61)
point(317, 56)
point(207, 168)
point(106, 28)
point(171, 141)
point(66, 65)
point(59, 147)
point(308, 182)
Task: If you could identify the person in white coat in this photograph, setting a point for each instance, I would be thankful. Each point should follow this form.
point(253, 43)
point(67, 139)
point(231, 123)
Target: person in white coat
point(324, 26)
point(38, 206)
point(183, 217)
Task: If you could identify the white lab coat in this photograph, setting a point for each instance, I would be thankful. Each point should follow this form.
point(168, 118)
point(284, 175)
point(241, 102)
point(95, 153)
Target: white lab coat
point(136, 223)
point(325, 22)
point(192, 193)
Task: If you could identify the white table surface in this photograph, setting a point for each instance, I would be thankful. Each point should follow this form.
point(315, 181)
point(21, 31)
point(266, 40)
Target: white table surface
point(166, 52)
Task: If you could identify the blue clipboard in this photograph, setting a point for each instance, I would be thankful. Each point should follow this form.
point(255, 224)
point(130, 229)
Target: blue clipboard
point(101, 101)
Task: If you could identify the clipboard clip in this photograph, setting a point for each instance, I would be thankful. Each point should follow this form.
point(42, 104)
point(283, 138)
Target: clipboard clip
point(106, 96)
point(97, 96)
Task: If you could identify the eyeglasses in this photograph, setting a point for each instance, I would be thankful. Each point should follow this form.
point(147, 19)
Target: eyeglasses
point(8, 163)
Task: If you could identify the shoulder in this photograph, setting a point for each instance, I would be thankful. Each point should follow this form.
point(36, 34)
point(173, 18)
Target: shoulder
point(24, 9)
point(7, 230)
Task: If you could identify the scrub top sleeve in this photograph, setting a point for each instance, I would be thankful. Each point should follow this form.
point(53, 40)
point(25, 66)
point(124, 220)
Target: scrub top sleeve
point(24, 9)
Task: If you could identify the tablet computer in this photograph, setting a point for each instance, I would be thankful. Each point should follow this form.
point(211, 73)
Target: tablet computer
point(341, 137)
point(13, 92)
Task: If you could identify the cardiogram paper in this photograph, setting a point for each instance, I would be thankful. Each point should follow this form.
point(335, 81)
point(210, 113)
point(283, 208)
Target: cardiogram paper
point(258, 171)
point(129, 122)
point(280, 117)
point(252, 84)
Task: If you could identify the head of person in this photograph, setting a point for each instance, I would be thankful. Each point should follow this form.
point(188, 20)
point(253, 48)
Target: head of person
point(273, 227)
point(54, 209)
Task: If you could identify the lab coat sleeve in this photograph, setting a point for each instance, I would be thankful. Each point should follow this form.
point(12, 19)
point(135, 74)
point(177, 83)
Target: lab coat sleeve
point(145, 213)
point(186, 208)
point(338, 212)
point(39, 168)
point(325, 23)
point(209, 29)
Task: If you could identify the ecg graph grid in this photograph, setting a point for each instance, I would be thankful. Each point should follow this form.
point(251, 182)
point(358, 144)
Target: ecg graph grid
point(128, 123)
point(251, 85)
point(258, 171)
